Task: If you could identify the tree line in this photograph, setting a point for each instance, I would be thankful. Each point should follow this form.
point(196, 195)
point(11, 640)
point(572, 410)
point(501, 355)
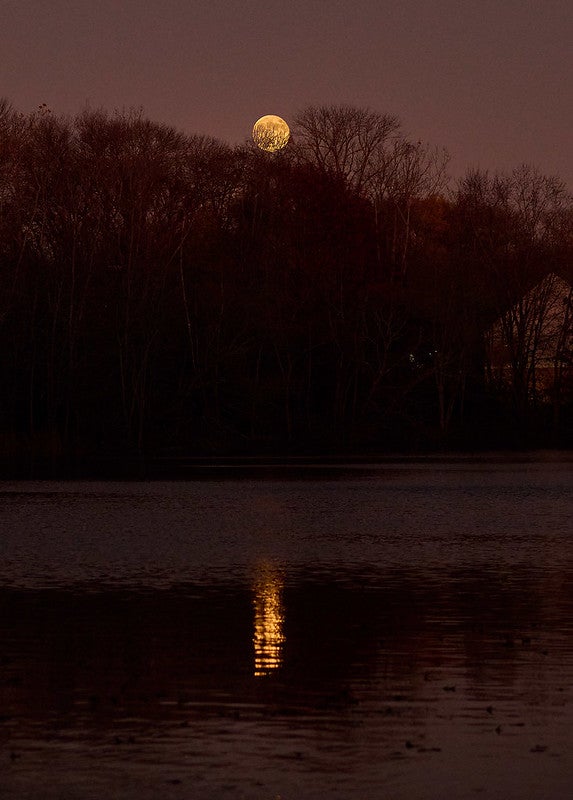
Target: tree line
point(164, 293)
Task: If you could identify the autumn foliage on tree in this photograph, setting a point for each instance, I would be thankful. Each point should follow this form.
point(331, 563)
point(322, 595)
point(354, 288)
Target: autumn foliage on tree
point(166, 294)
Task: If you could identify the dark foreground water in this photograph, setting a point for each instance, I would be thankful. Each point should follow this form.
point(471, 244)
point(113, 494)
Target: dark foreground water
point(401, 632)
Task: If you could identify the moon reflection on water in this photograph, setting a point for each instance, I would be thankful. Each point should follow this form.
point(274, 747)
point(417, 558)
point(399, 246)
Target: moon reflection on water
point(268, 637)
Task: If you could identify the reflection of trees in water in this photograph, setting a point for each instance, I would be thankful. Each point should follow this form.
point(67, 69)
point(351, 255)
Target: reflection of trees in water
point(499, 619)
point(406, 632)
point(268, 638)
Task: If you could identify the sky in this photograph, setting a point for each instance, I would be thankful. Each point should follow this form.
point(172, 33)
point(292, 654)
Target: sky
point(489, 80)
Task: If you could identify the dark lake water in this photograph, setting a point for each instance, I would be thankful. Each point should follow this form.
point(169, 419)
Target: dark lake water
point(402, 631)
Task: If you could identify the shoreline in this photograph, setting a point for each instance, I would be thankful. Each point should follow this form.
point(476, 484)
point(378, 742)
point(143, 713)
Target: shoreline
point(260, 466)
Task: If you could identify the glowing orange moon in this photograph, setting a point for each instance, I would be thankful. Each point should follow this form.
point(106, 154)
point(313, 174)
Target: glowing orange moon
point(271, 133)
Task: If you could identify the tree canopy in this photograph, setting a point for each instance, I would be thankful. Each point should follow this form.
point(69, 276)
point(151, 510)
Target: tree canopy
point(167, 293)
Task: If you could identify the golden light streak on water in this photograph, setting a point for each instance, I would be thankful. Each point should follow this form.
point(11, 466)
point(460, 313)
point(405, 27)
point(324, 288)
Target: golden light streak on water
point(268, 638)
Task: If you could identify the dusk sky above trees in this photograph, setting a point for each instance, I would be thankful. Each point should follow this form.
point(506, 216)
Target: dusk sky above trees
point(489, 81)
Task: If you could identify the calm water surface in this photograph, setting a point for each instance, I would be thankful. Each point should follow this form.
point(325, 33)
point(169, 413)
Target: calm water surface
point(396, 632)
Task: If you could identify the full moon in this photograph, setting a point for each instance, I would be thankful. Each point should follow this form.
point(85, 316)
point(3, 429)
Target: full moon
point(270, 133)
